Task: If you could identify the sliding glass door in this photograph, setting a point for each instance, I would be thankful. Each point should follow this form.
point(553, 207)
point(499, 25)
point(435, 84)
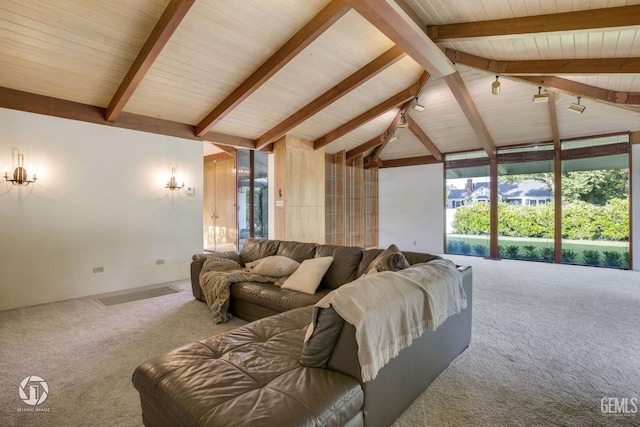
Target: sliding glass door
point(252, 172)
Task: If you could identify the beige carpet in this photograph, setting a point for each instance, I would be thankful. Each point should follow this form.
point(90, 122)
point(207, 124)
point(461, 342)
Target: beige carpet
point(549, 342)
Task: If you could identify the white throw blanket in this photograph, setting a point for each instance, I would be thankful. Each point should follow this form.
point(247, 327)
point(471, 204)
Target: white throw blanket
point(391, 309)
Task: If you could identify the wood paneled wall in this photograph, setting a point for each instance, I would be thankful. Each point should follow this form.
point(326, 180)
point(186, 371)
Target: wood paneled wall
point(351, 202)
point(299, 178)
point(219, 203)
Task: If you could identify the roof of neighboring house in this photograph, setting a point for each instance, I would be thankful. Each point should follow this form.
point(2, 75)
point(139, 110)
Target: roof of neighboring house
point(528, 188)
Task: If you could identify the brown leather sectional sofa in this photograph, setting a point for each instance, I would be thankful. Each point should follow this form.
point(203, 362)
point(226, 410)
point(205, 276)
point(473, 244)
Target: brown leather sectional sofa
point(262, 374)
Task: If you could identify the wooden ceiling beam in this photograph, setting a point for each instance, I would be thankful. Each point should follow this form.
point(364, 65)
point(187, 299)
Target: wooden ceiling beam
point(409, 161)
point(229, 140)
point(627, 100)
point(391, 131)
point(462, 95)
point(571, 67)
point(553, 119)
point(303, 38)
point(396, 100)
point(570, 87)
point(423, 138)
point(394, 21)
point(611, 17)
point(171, 18)
point(227, 149)
point(55, 107)
point(363, 148)
point(370, 70)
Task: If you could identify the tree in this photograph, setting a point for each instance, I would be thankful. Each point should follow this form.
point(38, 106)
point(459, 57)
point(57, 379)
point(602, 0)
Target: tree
point(596, 186)
point(592, 186)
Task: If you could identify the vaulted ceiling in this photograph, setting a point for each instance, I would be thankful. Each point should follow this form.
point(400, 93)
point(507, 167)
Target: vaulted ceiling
point(340, 73)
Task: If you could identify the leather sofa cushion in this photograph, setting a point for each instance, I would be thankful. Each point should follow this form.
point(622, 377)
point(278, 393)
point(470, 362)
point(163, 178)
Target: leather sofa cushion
point(418, 257)
point(298, 251)
point(201, 258)
point(318, 349)
point(273, 297)
point(250, 376)
point(254, 249)
point(367, 258)
point(345, 264)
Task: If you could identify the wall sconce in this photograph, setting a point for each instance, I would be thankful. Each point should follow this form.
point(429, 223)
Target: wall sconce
point(172, 184)
point(20, 176)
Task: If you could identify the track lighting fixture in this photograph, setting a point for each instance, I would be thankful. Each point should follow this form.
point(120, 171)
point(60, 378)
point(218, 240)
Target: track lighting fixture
point(402, 123)
point(393, 138)
point(577, 108)
point(495, 86)
point(417, 106)
point(541, 97)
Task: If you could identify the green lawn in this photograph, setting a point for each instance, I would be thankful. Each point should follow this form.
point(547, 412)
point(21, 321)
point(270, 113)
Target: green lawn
point(578, 246)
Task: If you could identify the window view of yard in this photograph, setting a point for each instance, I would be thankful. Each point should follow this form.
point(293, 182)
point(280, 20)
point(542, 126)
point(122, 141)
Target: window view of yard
point(594, 211)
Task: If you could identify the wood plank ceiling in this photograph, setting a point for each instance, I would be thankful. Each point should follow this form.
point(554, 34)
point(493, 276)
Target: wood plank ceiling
point(340, 73)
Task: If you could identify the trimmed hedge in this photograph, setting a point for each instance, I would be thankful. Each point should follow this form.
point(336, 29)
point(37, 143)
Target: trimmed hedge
point(580, 220)
point(545, 254)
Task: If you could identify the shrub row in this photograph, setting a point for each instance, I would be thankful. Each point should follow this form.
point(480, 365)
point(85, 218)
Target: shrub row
point(580, 220)
point(545, 254)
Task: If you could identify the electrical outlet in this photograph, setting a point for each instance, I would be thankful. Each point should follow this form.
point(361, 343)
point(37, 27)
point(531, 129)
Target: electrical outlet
point(159, 261)
point(98, 269)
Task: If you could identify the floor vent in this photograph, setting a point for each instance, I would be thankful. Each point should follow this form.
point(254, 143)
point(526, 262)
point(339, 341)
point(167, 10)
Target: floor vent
point(136, 296)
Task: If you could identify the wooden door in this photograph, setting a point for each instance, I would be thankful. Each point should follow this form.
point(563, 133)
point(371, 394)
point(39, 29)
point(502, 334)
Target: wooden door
point(220, 188)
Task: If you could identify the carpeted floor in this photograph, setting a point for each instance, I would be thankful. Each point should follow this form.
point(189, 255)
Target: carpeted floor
point(549, 342)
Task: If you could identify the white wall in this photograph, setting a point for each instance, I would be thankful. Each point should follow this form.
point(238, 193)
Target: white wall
point(411, 203)
point(99, 201)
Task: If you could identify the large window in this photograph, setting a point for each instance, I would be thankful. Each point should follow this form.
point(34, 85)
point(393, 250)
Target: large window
point(467, 200)
point(526, 204)
point(571, 209)
point(595, 202)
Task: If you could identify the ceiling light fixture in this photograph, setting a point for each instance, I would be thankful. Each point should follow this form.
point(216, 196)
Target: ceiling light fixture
point(417, 106)
point(393, 138)
point(402, 123)
point(20, 176)
point(541, 97)
point(577, 108)
point(495, 86)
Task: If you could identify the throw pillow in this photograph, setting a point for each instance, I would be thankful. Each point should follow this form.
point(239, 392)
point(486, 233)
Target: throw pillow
point(389, 260)
point(308, 276)
point(276, 266)
point(317, 350)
